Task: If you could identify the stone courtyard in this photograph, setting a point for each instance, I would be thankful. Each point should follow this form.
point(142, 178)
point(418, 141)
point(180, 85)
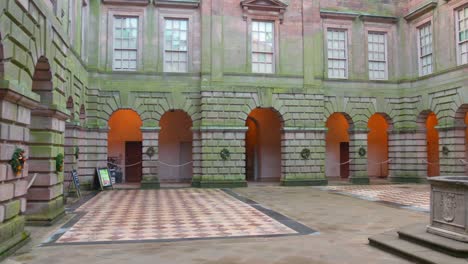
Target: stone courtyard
point(259, 224)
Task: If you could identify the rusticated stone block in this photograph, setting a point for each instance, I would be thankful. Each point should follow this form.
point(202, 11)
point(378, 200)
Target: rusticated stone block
point(6, 191)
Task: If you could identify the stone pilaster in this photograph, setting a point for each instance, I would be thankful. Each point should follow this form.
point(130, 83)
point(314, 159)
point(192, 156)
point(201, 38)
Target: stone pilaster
point(150, 178)
point(197, 157)
point(452, 147)
point(15, 117)
point(93, 154)
point(217, 172)
point(407, 150)
point(72, 138)
point(45, 198)
point(358, 165)
point(297, 170)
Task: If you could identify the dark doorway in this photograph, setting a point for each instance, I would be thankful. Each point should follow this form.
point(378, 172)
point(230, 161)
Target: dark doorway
point(344, 158)
point(133, 158)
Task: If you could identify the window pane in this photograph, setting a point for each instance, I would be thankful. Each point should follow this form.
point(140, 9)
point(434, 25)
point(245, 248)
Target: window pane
point(262, 46)
point(125, 43)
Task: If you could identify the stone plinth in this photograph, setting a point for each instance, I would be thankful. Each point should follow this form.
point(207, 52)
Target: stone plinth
point(449, 196)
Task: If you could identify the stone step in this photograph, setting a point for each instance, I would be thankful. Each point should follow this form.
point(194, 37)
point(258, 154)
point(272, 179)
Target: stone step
point(390, 242)
point(417, 234)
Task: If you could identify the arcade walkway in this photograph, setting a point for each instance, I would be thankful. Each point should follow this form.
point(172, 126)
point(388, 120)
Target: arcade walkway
point(274, 225)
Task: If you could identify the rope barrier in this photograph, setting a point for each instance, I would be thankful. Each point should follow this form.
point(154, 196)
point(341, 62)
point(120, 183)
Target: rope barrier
point(32, 181)
point(463, 161)
point(163, 163)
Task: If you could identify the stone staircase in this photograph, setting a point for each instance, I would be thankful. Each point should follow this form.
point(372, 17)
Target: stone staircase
point(415, 244)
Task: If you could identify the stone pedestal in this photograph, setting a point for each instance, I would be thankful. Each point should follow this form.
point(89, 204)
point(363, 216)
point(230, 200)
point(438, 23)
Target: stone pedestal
point(449, 207)
point(150, 156)
point(358, 156)
point(407, 150)
point(298, 169)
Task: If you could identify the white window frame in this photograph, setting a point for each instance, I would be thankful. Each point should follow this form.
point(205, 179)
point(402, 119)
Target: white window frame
point(418, 40)
point(273, 53)
point(457, 33)
point(188, 44)
point(385, 36)
point(137, 49)
point(346, 59)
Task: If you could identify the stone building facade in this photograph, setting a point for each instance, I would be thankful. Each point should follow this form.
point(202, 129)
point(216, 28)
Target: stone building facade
point(227, 92)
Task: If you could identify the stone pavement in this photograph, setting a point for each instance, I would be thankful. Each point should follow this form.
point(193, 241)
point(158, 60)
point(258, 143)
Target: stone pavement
point(343, 223)
point(138, 215)
point(410, 196)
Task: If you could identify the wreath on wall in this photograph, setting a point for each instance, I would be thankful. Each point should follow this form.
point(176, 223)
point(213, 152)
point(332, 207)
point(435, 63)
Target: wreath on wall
point(59, 162)
point(362, 152)
point(225, 154)
point(305, 154)
point(17, 161)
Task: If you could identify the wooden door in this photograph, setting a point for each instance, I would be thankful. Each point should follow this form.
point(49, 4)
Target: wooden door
point(133, 156)
point(344, 158)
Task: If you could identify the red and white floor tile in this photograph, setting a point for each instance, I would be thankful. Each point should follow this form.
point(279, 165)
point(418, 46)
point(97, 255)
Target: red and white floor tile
point(408, 195)
point(135, 215)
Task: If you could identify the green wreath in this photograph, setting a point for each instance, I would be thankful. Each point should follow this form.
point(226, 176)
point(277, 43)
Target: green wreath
point(17, 161)
point(59, 162)
point(305, 154)
point(362, 152)
point(225, 154)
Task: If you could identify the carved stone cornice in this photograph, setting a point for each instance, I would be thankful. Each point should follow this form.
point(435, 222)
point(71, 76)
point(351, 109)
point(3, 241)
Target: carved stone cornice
point(274, 8)
point(177, 4)
point(127, 2)
point(421, 10)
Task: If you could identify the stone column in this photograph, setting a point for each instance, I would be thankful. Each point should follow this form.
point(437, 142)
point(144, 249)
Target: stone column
point(297, 170)
point(72, 134)
point(45, 198)
point(358, 165)
point(93, 154)
point(15, 117)
point(452, 146)
point(216, 172)
point(407, 150)
point(197, 157)
point(150, 144)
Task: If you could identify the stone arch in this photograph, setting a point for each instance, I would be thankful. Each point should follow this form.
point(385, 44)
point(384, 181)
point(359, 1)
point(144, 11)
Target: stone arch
point(427, 121)
point(460, 115)
point(337, 145)
point(125, 143)
point(378, 145)
point(264, 144)
point(82, 112)
point(175, 147)
point(71, 107)
point(42, 81)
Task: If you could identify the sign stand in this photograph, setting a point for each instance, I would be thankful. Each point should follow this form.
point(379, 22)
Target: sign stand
point(104, 178)
point(76, 182)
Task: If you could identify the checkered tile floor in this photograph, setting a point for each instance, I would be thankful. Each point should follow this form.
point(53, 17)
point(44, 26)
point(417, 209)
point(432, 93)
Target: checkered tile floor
point(414, 196)
point(135, 215)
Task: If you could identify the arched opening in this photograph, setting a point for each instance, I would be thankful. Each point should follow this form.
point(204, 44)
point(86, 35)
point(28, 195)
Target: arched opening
point(377, 146)
point(337, 146)
point(175, 147)
point(263, 145)
point(125, 145)
point(432, 138)
point(70, 107)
